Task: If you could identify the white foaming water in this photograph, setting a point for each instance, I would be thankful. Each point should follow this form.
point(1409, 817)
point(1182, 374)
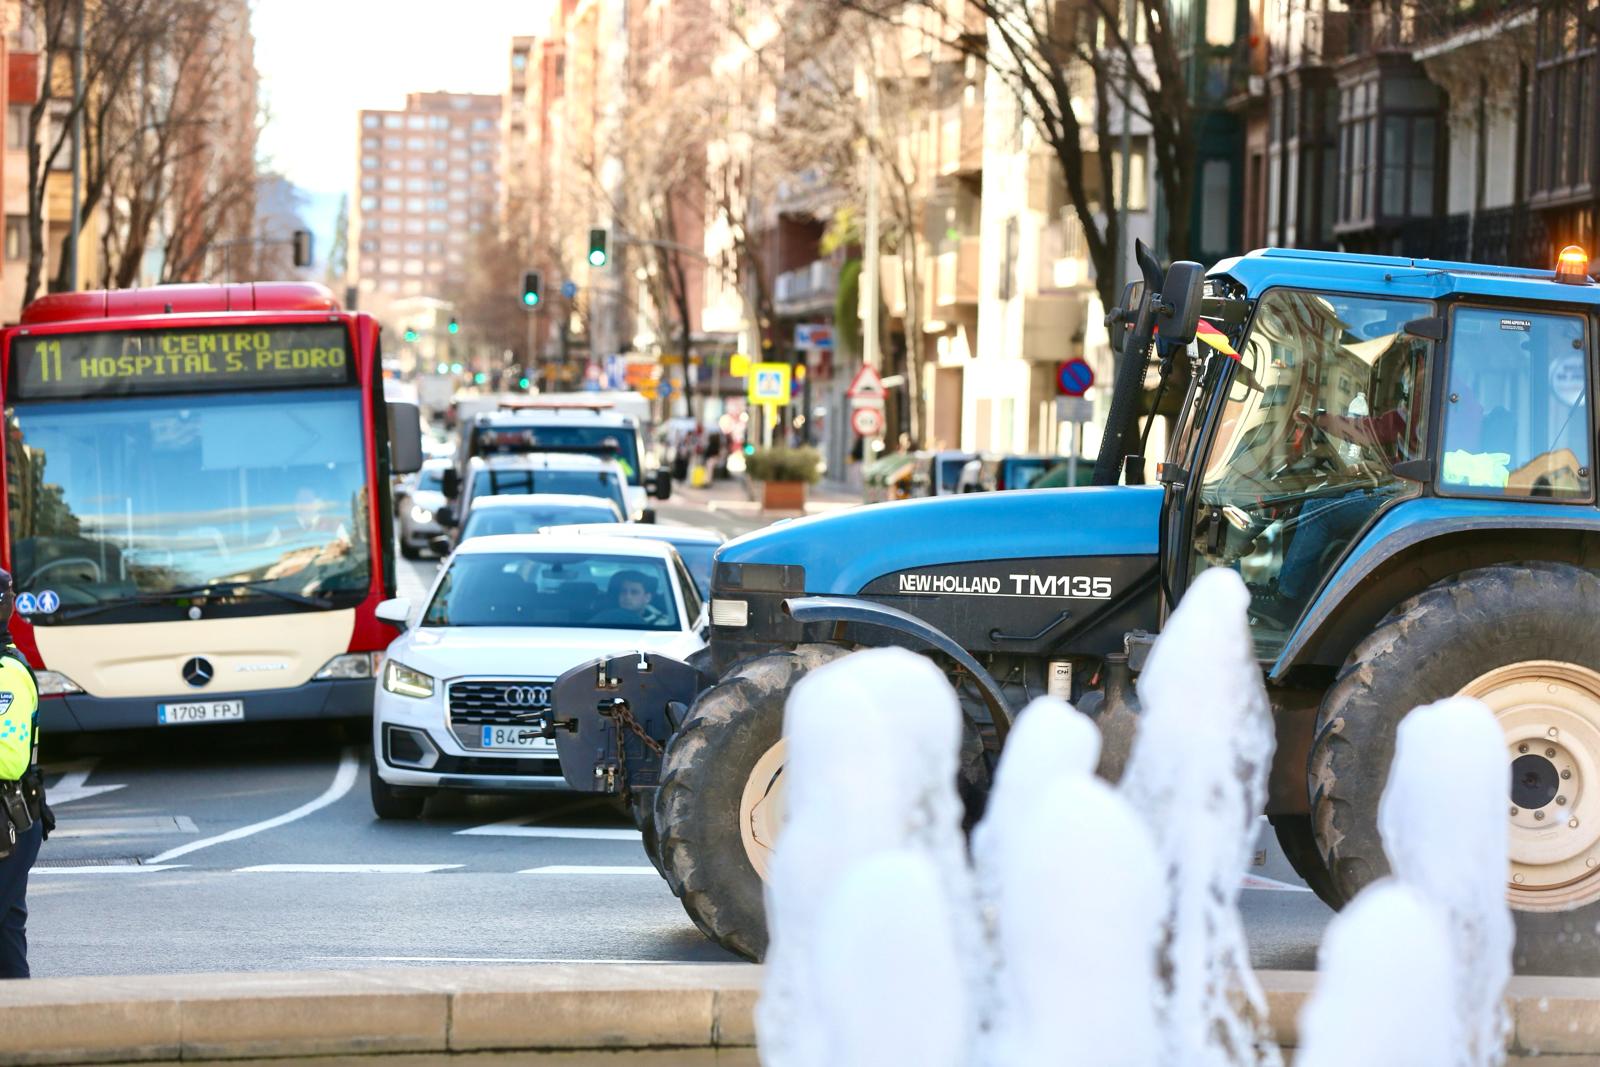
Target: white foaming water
point(1384, 995)
point(895, 992)
point(872, 749)
point(1076, 898)
point(1198, 774)
point(1443, 823)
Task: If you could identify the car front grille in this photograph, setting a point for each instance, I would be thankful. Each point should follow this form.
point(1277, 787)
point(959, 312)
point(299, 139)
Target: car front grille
point(478, 703)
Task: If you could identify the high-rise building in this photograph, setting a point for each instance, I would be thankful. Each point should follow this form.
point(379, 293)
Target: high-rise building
point(429, 180)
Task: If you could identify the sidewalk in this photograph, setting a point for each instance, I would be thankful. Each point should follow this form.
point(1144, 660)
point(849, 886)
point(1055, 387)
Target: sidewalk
point(738, 497)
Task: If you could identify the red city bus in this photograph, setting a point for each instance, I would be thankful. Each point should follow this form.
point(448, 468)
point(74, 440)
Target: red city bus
point(198, 516)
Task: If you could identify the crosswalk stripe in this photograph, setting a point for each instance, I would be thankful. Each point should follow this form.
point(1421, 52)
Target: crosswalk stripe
point(517, 828)
point(109, 868)
point(347, 868)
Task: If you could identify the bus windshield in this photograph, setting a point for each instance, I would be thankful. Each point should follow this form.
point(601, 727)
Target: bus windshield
point(254, 498)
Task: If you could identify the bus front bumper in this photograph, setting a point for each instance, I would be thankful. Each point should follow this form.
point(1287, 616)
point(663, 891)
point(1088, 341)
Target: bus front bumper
point(79, 712)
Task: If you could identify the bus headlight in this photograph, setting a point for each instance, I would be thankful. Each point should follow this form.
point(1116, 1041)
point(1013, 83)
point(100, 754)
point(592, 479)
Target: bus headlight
point(398, 678)
point(56, 684)
point(351, 665)
point(420, 514)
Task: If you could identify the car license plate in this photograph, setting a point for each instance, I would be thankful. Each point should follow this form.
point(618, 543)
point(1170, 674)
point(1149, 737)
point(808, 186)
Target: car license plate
point(516, 737)
point(200, 711)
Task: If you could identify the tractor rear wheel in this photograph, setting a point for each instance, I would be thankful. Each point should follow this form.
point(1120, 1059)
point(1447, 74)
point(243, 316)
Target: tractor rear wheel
point(1299, 844)
point(1525, 639)
point(721, 797)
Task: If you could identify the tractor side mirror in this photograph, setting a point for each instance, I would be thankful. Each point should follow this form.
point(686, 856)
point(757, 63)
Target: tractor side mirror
point(451, 484)
point(1120, 319)
point(1179, 316)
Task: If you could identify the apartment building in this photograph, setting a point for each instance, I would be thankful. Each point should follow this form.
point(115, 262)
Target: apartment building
point(428, 180)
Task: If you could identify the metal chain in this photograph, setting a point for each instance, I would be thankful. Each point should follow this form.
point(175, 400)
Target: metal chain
point(624, 717)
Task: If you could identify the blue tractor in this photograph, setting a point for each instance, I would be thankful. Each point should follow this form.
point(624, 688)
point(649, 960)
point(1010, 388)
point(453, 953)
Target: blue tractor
point(1394, 454)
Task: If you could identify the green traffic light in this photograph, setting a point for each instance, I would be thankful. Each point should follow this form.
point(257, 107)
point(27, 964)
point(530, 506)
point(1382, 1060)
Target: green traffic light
point(455, 327)
point(597, 257)
point(480, 377)
point(530, 299)
point(411, 335)
point(455, 368)
point(522, 383)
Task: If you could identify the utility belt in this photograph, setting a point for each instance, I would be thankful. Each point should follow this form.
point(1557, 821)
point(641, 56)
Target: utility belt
point(15, 818)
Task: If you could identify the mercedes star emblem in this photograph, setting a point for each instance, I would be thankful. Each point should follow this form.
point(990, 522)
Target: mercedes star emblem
point(197, 672)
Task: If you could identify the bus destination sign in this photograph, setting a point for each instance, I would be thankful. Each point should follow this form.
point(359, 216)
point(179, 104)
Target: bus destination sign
point(131, 362)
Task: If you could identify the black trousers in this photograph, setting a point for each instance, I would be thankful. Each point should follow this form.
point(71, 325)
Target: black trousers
point(14, 902)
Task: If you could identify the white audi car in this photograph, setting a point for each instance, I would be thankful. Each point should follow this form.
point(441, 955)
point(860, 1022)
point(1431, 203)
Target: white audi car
point(466, 688)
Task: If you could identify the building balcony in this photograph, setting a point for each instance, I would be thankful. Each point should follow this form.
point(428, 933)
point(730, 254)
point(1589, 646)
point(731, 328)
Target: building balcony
point(958, 139)
point(954, 277)
point(805, 192)
point(1063, 256)
point(811, 288)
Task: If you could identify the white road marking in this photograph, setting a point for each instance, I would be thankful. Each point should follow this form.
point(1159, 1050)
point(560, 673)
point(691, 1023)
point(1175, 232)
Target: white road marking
point(72, 784)
point(483, 959)
point(1255, 881)
point(347, 868)
point(517, 828)
point(110, 868)
point(563, 869)
point(126, 826)
point(343, 779)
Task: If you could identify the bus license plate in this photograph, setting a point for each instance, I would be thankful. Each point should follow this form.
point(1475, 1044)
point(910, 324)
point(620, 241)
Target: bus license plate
point(516, 737)
point(200, 711)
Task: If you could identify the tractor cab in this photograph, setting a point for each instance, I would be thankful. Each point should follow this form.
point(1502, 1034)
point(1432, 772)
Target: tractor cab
point(1332, 392)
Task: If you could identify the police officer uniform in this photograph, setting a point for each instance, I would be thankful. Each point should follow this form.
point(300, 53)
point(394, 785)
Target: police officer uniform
point(24, 818)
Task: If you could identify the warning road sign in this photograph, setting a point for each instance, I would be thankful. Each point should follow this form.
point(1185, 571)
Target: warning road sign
point(866, 387)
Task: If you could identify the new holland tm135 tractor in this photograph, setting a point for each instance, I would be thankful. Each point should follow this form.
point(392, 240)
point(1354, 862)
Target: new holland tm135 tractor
point(1395, 455)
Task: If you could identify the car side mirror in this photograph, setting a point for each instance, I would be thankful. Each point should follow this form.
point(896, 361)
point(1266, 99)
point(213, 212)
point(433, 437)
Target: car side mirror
point(440, 545)
point(446, 516)
point(648, 515)
point(662, 489)
point(451, 483)
point(396, 612)
point(1180, 304)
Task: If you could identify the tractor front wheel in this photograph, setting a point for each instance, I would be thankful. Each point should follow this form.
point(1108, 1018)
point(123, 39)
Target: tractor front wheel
point(721, 797)
point(1524, 639)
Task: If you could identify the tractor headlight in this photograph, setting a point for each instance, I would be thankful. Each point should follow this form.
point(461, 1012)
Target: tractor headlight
point(351, 665)
point(398, 678)
point(729, 612)
point(56, 684)
point(420, 514)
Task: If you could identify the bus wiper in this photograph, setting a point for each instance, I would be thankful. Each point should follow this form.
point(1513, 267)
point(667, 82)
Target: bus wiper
point(210, 590)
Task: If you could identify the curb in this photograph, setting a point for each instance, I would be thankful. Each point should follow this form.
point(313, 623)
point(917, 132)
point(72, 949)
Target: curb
point(554, 1008)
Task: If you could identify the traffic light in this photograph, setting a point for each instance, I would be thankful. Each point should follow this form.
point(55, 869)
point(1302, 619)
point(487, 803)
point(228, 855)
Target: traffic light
point(411, 334)
point(599, 247)
point(522, 383)
point(455, 327)
point(480, 377)
point(455, 368)
point(531, 289)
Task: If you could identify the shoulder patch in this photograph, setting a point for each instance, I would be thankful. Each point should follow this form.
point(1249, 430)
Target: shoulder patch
point(5, 702)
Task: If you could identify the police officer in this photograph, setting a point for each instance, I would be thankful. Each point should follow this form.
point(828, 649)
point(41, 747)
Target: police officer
point(24, 818)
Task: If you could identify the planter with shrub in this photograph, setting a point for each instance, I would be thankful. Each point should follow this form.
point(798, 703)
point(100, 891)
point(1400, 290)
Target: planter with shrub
point(784, 474)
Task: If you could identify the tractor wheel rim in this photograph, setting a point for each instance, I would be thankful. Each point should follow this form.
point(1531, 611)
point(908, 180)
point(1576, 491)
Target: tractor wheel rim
point(1550, 713)
point(761, 808)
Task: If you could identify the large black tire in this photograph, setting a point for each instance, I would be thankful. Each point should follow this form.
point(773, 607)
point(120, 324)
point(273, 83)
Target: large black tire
point(704, 771)
point(1431, 646)
point(1299, 844)
point(393, 801)
point(409, 550)
point(642, 810)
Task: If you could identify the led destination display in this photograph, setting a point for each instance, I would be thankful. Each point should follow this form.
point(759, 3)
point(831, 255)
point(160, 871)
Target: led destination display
point(131, 362)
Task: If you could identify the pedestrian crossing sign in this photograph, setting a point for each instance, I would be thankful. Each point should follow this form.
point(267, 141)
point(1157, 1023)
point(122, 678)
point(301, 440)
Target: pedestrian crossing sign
point(769, 383)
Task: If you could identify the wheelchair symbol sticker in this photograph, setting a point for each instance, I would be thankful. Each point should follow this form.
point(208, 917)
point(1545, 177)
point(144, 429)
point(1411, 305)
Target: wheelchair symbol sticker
point(48, 601)
point(26, 604)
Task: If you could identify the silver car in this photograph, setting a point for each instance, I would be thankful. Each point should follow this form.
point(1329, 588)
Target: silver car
point(416, 506)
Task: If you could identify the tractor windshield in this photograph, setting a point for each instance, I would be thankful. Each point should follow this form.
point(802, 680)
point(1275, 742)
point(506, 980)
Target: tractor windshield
point(1329, 397)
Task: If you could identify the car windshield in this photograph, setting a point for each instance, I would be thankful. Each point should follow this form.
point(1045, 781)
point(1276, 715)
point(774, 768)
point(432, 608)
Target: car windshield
point(522, 481)
point(1022, 473)
point(620, 441)
point(696, 556)
point(556, 589)
point(121, 501)
point(950, 473)
point(485, 522)
point(431, 480)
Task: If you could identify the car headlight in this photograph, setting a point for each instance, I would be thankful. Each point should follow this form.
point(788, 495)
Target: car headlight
point(398, 678)
point(420, 514)
point(351, 665)
point(56, 684)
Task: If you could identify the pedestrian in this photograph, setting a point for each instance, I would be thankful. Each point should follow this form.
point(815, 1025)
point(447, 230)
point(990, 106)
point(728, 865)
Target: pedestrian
point(23, 813)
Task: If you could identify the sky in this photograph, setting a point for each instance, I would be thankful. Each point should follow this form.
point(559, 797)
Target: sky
point(321, 61)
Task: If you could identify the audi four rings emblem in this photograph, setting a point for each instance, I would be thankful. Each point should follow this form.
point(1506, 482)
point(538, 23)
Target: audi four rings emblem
point(197, 671)
point(526, 696)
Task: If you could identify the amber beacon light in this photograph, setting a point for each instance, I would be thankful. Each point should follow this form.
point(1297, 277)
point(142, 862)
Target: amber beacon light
point(1572, 266)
